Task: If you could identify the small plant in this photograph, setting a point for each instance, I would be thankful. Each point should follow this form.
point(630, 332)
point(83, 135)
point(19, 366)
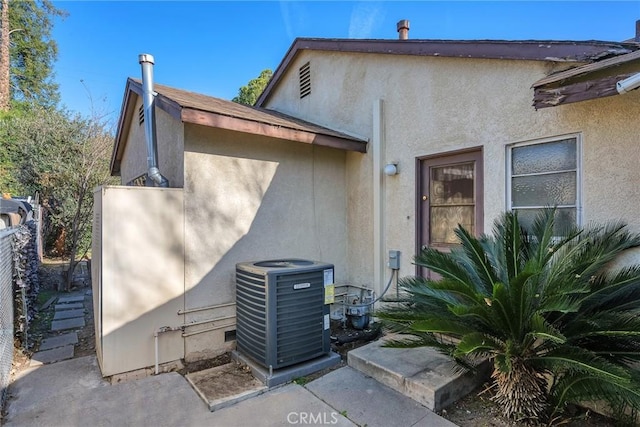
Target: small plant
point(301, 381)
point(559, 324)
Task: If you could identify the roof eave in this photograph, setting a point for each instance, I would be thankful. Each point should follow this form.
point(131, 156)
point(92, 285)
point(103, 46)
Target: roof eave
point(590, 81)
point(236, 124)
point(602, 87)
point(124, 122)
point(535, 50)
point(185, 114)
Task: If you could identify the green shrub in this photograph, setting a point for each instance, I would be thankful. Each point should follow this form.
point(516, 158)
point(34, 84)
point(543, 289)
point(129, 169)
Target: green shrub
point(558, 323)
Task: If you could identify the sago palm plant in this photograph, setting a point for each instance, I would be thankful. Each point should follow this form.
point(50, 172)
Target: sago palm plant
point(558, 323)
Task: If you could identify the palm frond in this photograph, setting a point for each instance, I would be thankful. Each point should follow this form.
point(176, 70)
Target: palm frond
point(575, 359)
point(478, 259)
point(444, 265)
point(440, 325)
point(613, 291)
point(578, 388)
point(475, 342)
point(540, 328)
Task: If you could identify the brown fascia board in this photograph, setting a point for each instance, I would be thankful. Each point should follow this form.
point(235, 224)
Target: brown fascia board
point(221, 121)
point(534, 50)
point(545, 97)
point(590, 81)
point(124, 121)
point(588, 68)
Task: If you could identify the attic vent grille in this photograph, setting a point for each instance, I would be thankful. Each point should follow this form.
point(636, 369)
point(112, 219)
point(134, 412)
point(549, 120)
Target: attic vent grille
point(305, 80)
point(141, 115)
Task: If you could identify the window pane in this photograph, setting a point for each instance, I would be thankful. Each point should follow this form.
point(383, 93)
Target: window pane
point(443, 220)
point(565, 217)
point(544, 190)
point(547, 157)
point(452, 185)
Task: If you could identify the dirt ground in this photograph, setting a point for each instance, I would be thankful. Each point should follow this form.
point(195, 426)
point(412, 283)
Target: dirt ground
point(478, 410)
point(475, 410)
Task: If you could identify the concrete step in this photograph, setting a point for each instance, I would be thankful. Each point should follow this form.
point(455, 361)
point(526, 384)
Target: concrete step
point(68, 314)
point(71, 299)
point(70, 338)
point(50, 356)
point(68, 306)
point(61, 325)
point(367, 402)
point(422, 374)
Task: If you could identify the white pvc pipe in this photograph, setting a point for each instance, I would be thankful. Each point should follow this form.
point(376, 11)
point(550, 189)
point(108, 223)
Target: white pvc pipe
point(156, 334)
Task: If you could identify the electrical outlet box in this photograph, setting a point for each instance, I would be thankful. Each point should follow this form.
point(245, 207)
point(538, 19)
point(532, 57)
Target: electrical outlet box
point(394, 260)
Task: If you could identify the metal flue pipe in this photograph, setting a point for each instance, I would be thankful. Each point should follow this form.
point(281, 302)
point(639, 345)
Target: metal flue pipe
point(146, 61)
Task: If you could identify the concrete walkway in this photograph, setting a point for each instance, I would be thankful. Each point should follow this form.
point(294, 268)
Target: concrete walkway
point(73, 393)
point(380, 387)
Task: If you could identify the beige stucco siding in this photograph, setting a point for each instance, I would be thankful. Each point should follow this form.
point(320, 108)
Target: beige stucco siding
point(138, 245)
point(253, 198)
point(170, 140)
point(437, 105)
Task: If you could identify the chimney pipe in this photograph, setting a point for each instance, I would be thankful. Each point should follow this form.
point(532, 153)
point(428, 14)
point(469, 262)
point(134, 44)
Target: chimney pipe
point(146, 61)
point(403, 29)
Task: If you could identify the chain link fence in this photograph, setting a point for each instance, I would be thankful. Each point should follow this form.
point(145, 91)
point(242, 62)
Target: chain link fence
point(6, 308)
point(19, 287)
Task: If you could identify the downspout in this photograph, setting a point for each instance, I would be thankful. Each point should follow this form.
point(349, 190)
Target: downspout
point(377, 151)
point(146, 61)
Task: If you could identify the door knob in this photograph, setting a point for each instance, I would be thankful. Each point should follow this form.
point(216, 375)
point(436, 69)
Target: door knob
point(425, 197)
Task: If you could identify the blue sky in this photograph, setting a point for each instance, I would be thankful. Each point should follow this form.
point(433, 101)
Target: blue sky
point(214, 47)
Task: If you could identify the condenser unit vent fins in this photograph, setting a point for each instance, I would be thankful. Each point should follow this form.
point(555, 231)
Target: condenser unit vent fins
point(305, 80)
point(281, 315)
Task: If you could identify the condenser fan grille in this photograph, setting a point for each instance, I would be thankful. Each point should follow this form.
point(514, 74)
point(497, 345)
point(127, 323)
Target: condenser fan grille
point(281, 316)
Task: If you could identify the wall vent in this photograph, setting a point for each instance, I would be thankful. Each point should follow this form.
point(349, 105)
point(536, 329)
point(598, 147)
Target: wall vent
point(140, 181)
point(230, 336)
point(141, 115)
point(305, 80)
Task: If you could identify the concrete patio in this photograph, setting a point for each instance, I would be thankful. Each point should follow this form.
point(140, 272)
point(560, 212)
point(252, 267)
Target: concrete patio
point(379, 387)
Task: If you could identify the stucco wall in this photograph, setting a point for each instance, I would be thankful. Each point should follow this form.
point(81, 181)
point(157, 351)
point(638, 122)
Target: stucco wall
point(137, 276)
point(436, 105)
point(170, 140)
point(253, 198)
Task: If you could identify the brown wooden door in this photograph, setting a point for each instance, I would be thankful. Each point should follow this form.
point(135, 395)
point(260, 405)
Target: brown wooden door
point(450, 190)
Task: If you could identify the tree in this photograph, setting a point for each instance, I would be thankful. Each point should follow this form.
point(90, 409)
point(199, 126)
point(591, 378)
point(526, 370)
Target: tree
point(26, 41)
point(249, 94)
point(62, 158)
point(5, 78)
point(558, 322)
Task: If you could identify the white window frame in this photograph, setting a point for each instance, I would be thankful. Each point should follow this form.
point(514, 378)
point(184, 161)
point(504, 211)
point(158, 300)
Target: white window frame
point(508, 177)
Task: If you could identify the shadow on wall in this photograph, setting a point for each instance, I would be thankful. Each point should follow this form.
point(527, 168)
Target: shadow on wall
point(256, 199)
point(138, 273)
point(166, 251)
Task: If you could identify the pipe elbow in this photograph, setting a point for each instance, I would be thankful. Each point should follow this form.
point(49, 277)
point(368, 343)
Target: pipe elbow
point(158, 178)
